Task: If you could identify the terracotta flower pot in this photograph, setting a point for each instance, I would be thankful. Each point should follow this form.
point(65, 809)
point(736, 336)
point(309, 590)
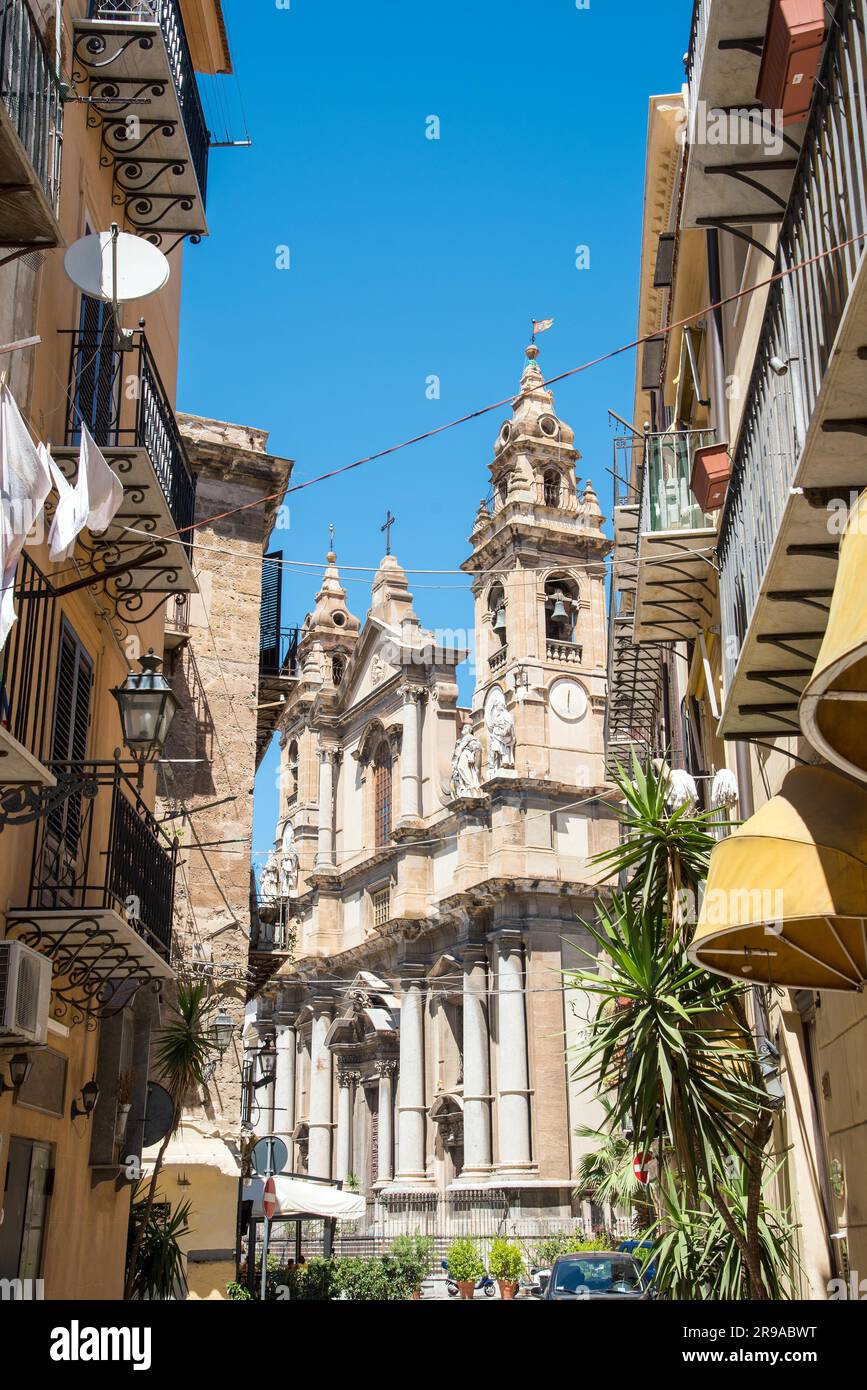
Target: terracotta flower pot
point(467, 1287)
point(508, 1287)
point(711, 470)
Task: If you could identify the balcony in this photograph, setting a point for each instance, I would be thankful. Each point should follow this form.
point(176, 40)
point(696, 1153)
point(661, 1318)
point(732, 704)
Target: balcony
point(563, 653)
point(272, 937)
point(27, 681)
point(800, 457)
point(278, 667)
point(101, 887)
point(31, 132)
point(634, 673)
point(675, 592)
point(740, 162)
point(135, 57)
point(122, 401)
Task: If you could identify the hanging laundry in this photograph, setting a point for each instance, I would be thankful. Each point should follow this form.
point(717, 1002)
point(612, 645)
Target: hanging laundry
point(25, 483)
point(92, 501)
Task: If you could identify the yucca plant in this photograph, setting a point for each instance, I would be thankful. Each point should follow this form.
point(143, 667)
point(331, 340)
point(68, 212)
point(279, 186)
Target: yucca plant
point(159, 1261)
point(180, 1055)
point(669, 1043)
point(693, 1249)
point(607, 1171)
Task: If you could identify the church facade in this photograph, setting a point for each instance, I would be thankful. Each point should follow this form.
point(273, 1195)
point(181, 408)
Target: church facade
point(432, 867)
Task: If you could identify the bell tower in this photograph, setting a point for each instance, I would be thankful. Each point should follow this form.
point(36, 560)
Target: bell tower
point(538, 561)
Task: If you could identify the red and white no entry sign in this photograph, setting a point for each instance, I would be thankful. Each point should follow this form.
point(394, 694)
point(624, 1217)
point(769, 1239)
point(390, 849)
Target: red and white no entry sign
point(269, 1199)
point(642, 1167)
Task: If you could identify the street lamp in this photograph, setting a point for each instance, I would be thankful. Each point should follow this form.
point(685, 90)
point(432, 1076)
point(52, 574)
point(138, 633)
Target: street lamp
point(20, 1068)
point(221, 1032)
point(268, 1062)
point(147, 707)
point(89, 1097)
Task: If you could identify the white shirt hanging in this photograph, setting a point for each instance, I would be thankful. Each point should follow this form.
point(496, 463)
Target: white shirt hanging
point(92, 501)
point(25, 482)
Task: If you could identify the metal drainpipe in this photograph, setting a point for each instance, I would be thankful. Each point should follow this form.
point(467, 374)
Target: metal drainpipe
point(720, 421)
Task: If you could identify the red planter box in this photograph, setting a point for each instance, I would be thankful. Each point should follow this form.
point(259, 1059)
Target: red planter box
point(790, 59)
point(711, 470)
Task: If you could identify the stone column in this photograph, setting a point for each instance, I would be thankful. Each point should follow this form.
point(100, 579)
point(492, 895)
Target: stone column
point(513, 1072)
point(346, 1083)
point(325, 843)
point(320, 1121)
point(410, 761)
point(385, 1120)
point(477, 1066)
point(411, 1102)
point(284, 1086)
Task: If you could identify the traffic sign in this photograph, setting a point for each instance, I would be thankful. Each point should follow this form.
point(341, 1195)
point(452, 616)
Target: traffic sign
point(270, 1155)
point(644, 1167)
point(269, 1199)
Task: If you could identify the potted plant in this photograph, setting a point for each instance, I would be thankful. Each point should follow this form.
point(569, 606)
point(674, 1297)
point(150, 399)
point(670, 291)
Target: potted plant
point(711, 470)
point(411, 1258)
point(506, 1265)
point(125, 1083)
point(465, 1265)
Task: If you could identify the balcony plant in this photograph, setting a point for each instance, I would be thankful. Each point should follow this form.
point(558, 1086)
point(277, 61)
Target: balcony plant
point(466, 1265)
point(709, 480)
point(506, 1265)
point(691, 1092)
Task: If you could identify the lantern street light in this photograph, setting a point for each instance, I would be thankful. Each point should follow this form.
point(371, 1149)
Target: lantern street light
point(268, 1063)
point(221, 1032)
point(20, 1067)
point(147, 707)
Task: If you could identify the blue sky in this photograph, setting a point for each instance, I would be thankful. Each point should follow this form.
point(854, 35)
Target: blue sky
point(412, 257)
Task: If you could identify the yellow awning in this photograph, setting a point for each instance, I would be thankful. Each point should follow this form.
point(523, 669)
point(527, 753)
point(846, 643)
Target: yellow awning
point(786, 896)
point(833, 707)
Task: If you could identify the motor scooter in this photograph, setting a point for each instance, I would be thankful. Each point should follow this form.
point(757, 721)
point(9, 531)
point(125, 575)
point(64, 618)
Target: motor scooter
point(486, 1283)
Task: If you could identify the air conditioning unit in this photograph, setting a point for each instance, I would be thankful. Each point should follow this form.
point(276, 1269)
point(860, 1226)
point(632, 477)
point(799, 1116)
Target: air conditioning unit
point(25, 995)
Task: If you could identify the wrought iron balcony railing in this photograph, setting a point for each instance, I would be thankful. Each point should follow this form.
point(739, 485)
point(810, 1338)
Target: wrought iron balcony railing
point(120, 398)
point(31, 94)
point(27, 662)
point(167, 14)
point(97, 846)
point(667, 504)
point(827, 208)
point(278, 651)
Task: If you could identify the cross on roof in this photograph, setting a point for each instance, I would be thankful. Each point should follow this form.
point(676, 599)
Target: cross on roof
point(389, 522)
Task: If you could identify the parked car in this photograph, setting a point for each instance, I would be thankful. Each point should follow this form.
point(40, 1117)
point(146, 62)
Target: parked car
point(596, 1274)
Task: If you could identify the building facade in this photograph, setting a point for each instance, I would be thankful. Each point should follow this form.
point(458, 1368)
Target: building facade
point(221, 664)
point(738, 649)
point(432, 866)
point(100, 123)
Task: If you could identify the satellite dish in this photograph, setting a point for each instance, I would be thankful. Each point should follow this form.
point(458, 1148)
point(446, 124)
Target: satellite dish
point(159, 1113)
point(142, 269)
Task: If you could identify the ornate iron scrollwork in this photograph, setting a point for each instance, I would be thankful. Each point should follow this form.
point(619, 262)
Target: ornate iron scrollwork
point(25, 805)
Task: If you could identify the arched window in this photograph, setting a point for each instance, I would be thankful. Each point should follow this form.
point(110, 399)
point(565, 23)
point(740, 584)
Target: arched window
point(337, 669)
point(382, 794)
point(292, 773)
point(560, 601)
point(551, 485)
point(503, 491)
point(497, 610)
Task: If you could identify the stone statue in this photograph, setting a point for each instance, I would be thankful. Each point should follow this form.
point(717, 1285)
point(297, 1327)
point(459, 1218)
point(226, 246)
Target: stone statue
point(288, 862)
point(466, 761)
point(270, 879)
point(501, 728)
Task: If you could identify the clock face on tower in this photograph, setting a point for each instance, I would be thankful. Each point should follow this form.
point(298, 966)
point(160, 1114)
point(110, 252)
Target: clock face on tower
point(568, 699)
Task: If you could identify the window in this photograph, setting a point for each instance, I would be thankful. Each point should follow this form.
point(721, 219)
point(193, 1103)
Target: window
point(29, 1176)
point(560, 601)
point(552, 488)
point(69, 742)
point(381, 907)
point(97, 374)
point(497, 611)
point(292, 774)
point(382, 794)
point(337, 669)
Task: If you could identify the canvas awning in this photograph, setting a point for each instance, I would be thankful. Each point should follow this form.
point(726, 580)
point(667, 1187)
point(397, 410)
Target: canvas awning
point(786, 895)
point(301, 1197)
point(833, 707)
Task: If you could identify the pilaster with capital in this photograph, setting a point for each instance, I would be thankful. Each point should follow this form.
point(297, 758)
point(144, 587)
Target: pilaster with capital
point(321, 1070)
point(412, 1110)
point(387, 1070)
point(328, 760)
point(477, 1066)
point(347, 1080)
point(513, 1071)
point(410, 764)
